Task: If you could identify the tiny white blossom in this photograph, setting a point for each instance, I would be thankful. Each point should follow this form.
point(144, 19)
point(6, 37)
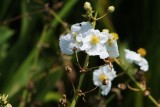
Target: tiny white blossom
point(102, 78)
point(68, 42)
point(93, 42)
point(136, 58)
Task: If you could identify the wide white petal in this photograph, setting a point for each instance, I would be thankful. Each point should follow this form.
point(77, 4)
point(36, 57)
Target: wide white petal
point(85, 46)
point(104, 37)
point(143, 63)
point(93, 50)
point(106, 88)
point(132, 56)
point(85, 26)
point(107, 70)
point(112, 49)
point(102, 51)
point(81, 27)
point(65, 44)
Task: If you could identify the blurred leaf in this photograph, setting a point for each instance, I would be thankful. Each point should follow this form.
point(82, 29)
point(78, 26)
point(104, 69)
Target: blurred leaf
point(52, 96)
point(5, 34)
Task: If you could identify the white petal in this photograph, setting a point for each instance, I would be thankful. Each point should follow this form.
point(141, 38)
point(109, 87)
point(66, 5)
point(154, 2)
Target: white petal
point(85, 46)
point(103, 37)
point(96, 79)
point(93, 51)
point(85, 26)
point(81, 27)
point(64, 44)
point(67, 44)
point(112, 49)
point(107, 70)
point(132, 56)
point(106, 88)
point(79, 38)
point(143, 63)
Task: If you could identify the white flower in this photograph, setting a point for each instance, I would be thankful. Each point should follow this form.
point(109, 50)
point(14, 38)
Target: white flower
point(93, 42)
point(68, 42)
point(136, 58)
point(102, 78)
point(111, 45)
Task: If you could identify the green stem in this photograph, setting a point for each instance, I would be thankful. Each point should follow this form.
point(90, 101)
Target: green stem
point(137, 84)
point(80, 82)
point(110, 99)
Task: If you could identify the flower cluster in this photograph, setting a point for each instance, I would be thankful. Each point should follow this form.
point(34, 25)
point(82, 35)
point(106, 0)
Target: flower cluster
point(103, 44)
point(84, 38)
point(137, 58)
point(95, 43)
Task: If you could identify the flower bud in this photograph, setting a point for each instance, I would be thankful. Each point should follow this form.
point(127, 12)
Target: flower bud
point(8, 105)
point(87, 6)
point(111, 9)
point(68, 69)
point(122, 86)
point(105, 30)
point(146, 93)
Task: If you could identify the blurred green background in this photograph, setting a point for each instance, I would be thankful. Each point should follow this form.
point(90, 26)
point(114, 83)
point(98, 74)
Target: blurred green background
point(32, 67)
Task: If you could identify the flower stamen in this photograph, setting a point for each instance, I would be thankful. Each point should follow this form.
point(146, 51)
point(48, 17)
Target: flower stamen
point(115, 36)
point(102, 77)
point(142, 51)
point(95, 39)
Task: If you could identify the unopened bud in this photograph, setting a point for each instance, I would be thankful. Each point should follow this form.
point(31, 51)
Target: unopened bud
point(64, 96)
point(87, 6)
point(68, 69)
point(105, 30)
point(146, 93)
point(111, 9)
point(8, 105)
point(121, 86)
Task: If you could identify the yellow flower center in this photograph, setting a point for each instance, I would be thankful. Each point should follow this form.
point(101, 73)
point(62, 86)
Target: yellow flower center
point(142, 51)
point(95, 39)
point(103, 77)
point(115, 36)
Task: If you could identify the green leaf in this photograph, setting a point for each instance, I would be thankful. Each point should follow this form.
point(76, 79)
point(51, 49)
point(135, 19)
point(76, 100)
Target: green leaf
point(5, 34)
point(52, 96)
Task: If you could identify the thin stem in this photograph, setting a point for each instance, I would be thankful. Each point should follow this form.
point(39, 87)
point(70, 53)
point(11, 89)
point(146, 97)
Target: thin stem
point(77, 58)
point(80, 82)
point(95, 67)
point(90, 90)
point(137, 84)
point(120, 74)
point(102, 16)
point(154, 101)
point(84, 66)
point(94, 23)
point(110, 98)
